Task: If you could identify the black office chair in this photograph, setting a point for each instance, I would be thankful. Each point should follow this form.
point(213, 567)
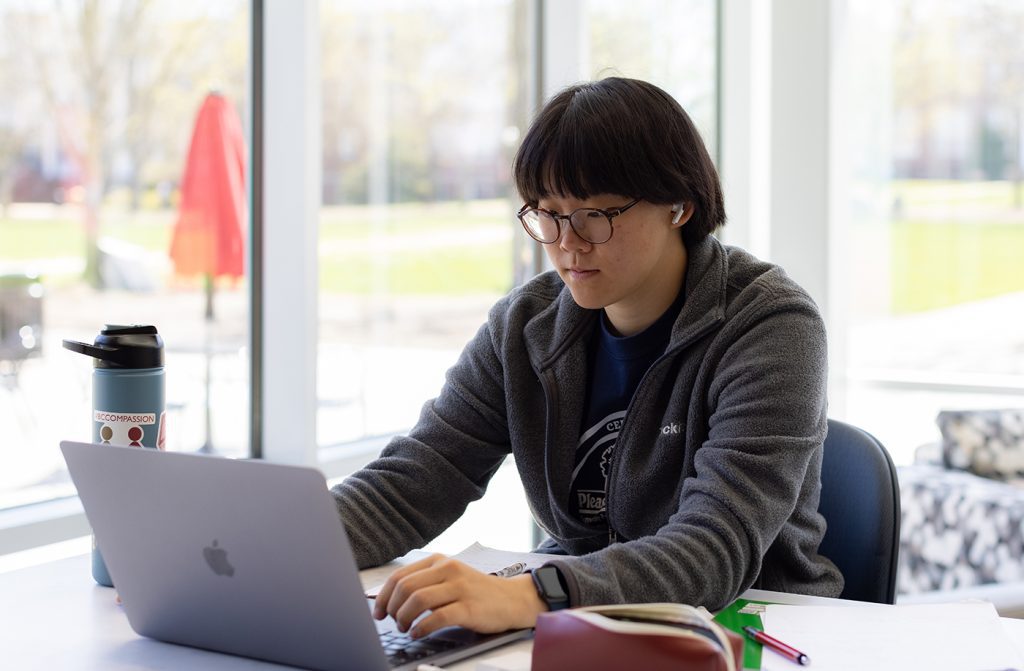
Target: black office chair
point(860, 500)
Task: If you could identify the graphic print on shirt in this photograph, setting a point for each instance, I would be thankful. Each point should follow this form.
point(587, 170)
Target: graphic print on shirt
point(590, 477)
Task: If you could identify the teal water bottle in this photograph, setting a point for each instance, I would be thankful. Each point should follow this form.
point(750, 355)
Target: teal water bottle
point(127, 396)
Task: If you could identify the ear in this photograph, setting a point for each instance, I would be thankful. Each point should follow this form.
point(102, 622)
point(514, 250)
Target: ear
point(681, 214)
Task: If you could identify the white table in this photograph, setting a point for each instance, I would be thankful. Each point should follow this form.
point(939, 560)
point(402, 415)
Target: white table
point(53, 616)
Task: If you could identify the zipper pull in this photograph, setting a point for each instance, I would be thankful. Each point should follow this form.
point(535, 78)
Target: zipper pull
point(613, 537)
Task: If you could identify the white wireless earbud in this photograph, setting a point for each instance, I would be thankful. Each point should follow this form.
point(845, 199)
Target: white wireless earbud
point(680, 210)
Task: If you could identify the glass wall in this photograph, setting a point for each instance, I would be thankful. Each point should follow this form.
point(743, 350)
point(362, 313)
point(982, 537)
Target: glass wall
point(423, 104)
point(671, 44)
point(100, 103)
point(936, 288)
point(422, 110)
point(423, 107)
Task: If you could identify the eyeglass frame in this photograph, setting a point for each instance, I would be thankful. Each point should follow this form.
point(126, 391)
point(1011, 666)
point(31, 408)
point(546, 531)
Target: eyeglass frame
point(610, 214)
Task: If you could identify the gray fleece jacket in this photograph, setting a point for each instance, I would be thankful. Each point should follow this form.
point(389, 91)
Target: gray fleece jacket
point(715, 477)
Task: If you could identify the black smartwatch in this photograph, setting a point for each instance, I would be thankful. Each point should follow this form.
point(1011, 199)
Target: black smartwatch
point(551, 587)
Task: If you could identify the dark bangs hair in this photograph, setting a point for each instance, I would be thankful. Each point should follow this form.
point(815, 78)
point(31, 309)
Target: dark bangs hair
point(620, 136)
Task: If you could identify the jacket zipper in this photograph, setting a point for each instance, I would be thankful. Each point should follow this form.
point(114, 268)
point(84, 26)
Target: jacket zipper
point(551, 408)
point(613, 536)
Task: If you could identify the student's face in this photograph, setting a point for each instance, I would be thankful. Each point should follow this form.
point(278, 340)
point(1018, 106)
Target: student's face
point(634, 273)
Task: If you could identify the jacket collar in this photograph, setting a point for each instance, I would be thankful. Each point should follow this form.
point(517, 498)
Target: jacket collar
point(707, 279)
point(563, 323)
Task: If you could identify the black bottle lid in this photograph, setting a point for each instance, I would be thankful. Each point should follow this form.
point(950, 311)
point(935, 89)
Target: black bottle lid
point(118, 346)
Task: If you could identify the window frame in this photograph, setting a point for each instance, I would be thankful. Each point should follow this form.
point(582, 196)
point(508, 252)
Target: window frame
point(283, 333)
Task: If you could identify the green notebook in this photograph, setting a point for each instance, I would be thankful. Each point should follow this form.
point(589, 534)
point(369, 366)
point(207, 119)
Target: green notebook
point(742, 613)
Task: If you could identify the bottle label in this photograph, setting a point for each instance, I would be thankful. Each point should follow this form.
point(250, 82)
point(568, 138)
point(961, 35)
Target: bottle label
point(124, 417)
point(161, 436)
point(123, 428)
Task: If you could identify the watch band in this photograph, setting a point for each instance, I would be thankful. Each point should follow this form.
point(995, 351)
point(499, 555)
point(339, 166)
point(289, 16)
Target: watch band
point(551, 587)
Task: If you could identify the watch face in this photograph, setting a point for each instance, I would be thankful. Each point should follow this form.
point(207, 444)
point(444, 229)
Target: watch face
point(550, 584)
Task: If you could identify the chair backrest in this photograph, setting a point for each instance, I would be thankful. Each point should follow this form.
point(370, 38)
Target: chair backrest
point(860, 501)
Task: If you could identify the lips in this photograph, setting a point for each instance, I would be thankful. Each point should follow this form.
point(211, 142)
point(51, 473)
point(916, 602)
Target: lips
point(581, 273)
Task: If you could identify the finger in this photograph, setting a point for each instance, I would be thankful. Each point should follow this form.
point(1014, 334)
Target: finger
point(380, 604)
point(428, 598)
point(487, 605)
point(454, 613)
point(413, 583)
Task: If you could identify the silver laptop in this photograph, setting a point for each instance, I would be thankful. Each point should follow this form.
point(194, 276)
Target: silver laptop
point(244, 557)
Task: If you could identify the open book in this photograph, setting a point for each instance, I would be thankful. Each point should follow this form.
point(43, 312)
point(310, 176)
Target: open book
point(666, 619)
point(649, 636)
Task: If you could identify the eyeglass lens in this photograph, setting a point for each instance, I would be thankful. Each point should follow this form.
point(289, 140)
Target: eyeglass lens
point(591, 225)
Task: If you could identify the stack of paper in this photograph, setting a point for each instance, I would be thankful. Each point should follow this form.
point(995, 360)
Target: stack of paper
point(489, 560)
point(480, 557)
point(939, 637)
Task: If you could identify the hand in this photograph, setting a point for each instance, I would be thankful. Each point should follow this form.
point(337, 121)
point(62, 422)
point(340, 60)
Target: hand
point(456, 594)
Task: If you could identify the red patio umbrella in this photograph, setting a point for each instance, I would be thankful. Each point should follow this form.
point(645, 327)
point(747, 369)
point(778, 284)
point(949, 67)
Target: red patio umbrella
point(208, 236)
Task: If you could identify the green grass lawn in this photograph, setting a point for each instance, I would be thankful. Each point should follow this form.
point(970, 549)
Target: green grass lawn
point(446, 272)
point(40, 239)
point(461, 269)
point(935, 262)
point(54, 238)
point(938, 264)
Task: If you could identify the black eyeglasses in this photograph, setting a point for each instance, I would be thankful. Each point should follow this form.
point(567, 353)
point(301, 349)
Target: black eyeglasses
point(590, 223)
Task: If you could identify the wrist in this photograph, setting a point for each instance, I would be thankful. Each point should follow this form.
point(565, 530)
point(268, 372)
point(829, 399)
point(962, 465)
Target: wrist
point(532, 604)
point(551, 586)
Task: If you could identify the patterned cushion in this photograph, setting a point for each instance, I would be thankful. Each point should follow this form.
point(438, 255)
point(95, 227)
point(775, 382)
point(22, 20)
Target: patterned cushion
point(989, 443)
point(958, 530)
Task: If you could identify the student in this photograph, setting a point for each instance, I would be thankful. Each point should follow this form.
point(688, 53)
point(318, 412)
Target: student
point(663, 394)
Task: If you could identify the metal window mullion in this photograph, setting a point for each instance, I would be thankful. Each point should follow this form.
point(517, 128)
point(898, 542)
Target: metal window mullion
point(290, 104)
point(256, 162)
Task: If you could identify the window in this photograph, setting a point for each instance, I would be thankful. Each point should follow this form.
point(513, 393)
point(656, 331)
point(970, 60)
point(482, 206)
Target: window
point(671, 44)
point(418, 232)
point(937, 224)
point(423, 105)
point(93, 143)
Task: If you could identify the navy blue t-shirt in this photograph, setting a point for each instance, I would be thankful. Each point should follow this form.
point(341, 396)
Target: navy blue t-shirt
point(616, 367)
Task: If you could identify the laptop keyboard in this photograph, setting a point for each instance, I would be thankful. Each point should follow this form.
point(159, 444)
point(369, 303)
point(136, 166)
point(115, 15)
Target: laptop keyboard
point(401, 648)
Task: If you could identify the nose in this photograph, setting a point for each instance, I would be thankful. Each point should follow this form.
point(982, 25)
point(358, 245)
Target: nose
point(569, 240)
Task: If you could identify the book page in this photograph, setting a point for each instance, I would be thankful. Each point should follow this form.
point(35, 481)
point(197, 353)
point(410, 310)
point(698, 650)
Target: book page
point(937, 637)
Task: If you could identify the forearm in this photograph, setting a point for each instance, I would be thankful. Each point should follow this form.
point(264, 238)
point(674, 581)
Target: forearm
point(699, 568)
point(403, 500)
point(376, 530)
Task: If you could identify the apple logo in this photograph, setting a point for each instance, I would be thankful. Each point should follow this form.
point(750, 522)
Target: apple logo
point(217, 558)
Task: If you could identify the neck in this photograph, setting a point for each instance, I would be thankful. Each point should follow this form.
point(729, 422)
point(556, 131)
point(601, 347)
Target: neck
point(631, 317)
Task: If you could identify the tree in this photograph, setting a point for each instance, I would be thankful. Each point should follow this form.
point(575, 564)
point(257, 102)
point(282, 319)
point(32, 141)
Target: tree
point(1000, 26)
point(121, 78)
point(82, 124)
point(930, 73)
point(403, 91)
point(14, 129)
